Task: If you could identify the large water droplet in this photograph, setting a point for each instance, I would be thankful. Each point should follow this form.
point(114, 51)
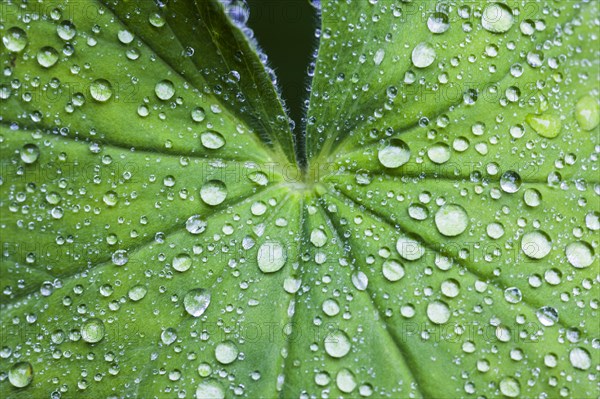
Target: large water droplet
point(210, 389)
point(438, 23)
point(497, 18)
point(213, 192)
point(451, 220)
point(510, 387)
point(212, 140)
point(47, 56)
point(226, 352)
point(120, 257)
point(29, 153)
point(510, 182)
point(536, 244)
point(195, 224)
point(392, 270)
point(164, 89)
point(513, 295)
point(439, 153)
point(345, 380)
point(580, 254)
point(318, 237)
point(410, 248)
point(271, 257)
point(15, 39)
point(587, 113)
point(101, 90)
point(196, 301)
point(438, 312)
point(546, 125)
point(337, 344)
point(580, 358)
point(423, 55)
point(395, 154)
point(182, 262)
point(92, 331)
point(20, 374)
point(547, 315)
point(66, 30)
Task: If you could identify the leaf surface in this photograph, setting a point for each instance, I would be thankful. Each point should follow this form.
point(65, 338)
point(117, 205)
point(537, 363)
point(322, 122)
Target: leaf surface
point(159, 240)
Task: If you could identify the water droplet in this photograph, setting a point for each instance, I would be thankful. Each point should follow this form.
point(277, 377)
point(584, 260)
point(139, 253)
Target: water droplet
point(210, 389)
point(510, 387)
point(66, 30)
point(212, 140)
point(392, 270)
point(47, 56)
point(196, 301)
point(20, 374)
point(110, 198)
point(513, 295)
point(156, 20)
point(125, 36)
point(497, 18)
point(423, 55)
point(545, 125)
point(439, 153)
point(331, 307)
point(547, 315)
point(592, 221)
point(259, 178)
point(536, 244)
point(450, 288)
point(182, 262)
point(92, 331)
point(120, 257)
point(345, 381)
point(195, 224)
point(580, 254)
point(168, 336)
point(451, 220)
point(271, 257)
point(495, 230)
point(410, 248)
point(438, 312)
point(337, 344)
point(226, 352)
point(532, 197)
point(15, 39)
point(137, 293)
point(213, 192)
point(510, 182)
point(360, 281)
point(580, 358)
point(101, 90)
point(29, 153)
point(438, 23)
point(198, 114)
point(587, 113)
point(164, 89)
point(318, 237)
point(378, 58)
point(395, 154)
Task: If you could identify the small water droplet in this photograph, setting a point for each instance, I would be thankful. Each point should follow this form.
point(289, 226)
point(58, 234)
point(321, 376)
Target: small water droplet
point(318, 237)
point(168, 336)
point(210, 389)
point(587, 113)
point(66, 30)
point(125, 36)
point(510, 182)
point(120, 257)
point(182, 262)
point(392, 270)
point(198, 114)
point(547, 315)
point(510, 387)
point(137, 293)
point(546, 125)
point(226, 352)
point(438, 23)
point(164, 89)
point(513, 295)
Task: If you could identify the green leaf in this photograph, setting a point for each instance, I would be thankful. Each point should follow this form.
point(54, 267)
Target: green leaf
point(159, 239)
